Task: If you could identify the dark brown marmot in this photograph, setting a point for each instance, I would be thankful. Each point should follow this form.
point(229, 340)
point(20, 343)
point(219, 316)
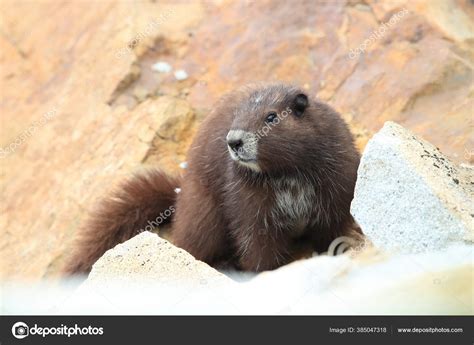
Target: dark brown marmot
point(270, 173)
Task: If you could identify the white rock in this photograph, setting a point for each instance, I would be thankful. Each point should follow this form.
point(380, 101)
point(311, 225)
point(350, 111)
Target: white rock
point(371, 282)
point(434, 283)
point(409, 197)
point(149, 256)
point(180, 74)
point(162, 67)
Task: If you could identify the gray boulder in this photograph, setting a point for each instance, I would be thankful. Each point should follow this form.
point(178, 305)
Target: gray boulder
point(409, 197)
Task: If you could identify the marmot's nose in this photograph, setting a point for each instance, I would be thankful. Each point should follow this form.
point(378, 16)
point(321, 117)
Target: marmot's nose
point(235, 144)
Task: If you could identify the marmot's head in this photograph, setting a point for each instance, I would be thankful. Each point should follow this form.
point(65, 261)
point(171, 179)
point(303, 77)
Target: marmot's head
point(278, 128)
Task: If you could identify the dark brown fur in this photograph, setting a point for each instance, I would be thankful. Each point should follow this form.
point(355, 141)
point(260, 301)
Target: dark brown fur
point(121, 216)
point(227, 211)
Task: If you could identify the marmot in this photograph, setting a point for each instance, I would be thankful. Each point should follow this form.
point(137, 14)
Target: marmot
point(270, 172)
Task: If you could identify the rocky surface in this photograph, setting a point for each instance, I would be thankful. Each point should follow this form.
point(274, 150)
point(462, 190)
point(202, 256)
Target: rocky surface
point(86, 69)
point(410, 197)
point(147, 257)
point(356, 283)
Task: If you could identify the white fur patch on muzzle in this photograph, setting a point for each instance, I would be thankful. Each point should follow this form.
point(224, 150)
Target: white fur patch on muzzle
point(243, 148)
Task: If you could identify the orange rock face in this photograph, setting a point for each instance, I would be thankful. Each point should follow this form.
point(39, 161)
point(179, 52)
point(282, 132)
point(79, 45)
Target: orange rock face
point(83, 103)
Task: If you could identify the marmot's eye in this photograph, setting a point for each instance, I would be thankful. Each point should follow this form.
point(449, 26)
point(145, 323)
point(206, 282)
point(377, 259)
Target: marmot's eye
point(271, 117)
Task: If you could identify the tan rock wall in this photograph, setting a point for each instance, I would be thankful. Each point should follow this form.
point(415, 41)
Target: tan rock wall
point(112, 114)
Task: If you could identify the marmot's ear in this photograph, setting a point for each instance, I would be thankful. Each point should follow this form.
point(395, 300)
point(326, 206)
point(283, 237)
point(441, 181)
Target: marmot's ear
point(300, 103)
